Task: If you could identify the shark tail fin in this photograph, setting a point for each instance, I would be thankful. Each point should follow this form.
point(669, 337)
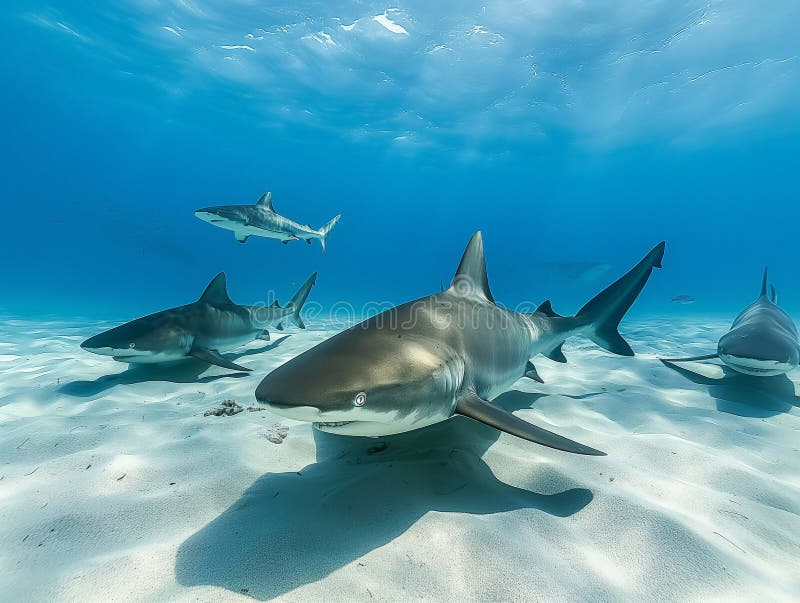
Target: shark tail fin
point(296, 303)
point(605, 311)
point(326, 230)
point(764, 282)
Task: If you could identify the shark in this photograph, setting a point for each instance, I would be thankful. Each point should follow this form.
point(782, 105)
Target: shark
point(762, 341)
point(203, 329)
point(447, 354)
point(261, 220)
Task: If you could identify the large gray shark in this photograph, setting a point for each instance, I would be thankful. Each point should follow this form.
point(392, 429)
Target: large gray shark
point(449, 353)
point(762, 340)
point(203, 329)
point(261, 220)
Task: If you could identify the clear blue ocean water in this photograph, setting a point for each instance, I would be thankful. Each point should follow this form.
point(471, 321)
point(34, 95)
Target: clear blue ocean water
point(574, 136)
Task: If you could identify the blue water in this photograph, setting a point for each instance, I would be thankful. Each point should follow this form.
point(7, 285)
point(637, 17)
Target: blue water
point(568, 134)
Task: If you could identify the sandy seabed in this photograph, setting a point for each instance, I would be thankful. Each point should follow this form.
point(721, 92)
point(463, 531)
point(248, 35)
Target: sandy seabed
point(114, 486)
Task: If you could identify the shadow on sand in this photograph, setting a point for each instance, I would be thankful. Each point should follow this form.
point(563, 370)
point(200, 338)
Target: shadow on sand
point(291, 529)
point(746, 395)
point(186, 371)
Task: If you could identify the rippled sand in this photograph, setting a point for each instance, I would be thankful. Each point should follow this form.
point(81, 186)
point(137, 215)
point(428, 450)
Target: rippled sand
point(115, 486)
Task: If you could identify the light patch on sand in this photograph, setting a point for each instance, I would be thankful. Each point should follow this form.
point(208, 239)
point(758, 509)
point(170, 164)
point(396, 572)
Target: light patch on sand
point(173, 30)
point(599, 562)
point(8, 357)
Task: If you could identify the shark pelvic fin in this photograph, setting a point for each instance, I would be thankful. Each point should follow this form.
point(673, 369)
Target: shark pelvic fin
point(556, 354)
point(266, 201)
point(242, 238)
point(546, 308)
point(531, 372)
point(264, 336)
point(471, 277)
point(216, 293)
point(472, 406)
point(213, 357)
point(773, 295)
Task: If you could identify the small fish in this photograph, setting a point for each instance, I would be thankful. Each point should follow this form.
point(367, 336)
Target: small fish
point(683, 299)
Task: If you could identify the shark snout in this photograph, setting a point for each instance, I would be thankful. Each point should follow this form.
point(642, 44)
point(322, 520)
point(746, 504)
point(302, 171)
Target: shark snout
point(764, 350)
point(208, 215)
point(285, 399)
point(217, 214)
point(97, 345)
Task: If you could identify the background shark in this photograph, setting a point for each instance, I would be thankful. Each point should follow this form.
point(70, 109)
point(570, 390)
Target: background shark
point(449, 353)
point(762, 340)
point(203, 329)
point(262, 220)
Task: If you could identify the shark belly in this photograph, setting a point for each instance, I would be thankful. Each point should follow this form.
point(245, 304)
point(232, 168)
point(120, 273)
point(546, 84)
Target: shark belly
point(256, 231)
point(227, 340)
point(158, 358)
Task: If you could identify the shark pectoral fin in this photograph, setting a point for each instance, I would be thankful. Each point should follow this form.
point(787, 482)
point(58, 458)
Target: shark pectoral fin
point(556, 354)
point(264, 335)
point(692, 359)
point(696, 366)
point(708, 370)
point(242, 238)
point(474, 407)
point(531, 373)
point(213, 357)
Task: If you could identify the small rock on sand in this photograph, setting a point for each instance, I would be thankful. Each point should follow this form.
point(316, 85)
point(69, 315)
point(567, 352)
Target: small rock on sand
point(228, 408)
point(277, 433)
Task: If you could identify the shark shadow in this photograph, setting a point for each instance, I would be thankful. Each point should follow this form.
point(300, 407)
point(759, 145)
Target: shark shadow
point(184, 371)
point(291, 529)
point(745, 395)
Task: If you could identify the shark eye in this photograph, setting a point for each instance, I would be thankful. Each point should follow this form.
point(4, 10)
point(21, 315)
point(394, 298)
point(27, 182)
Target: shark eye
point(131, 345)
point(360, 399)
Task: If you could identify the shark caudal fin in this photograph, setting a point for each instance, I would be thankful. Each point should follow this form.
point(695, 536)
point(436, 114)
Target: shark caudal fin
point(326, 230)
point(605, 311)
point(296, 303)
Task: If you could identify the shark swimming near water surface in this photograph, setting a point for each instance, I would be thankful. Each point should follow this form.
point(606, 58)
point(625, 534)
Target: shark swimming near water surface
point(261, 220)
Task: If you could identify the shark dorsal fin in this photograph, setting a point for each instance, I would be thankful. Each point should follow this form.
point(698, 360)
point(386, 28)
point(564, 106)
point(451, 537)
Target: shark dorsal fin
point(764, 282)
point(216, 293)
point(471, 277)
point(546, 308)
point(265, 201)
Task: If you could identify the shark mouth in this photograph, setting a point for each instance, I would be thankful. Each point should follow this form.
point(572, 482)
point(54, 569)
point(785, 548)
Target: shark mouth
point(752, 366)
point(328, 425)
